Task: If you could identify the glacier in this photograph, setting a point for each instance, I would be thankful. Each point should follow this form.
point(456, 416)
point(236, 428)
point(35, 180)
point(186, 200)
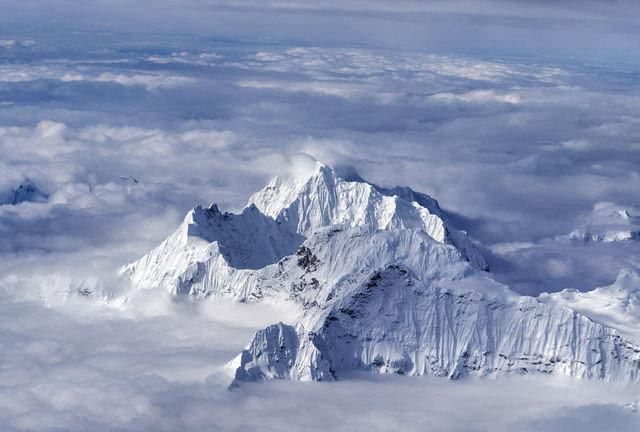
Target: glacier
point(384, 282)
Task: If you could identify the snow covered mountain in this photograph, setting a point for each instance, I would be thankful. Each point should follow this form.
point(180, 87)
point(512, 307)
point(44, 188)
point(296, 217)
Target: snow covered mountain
point(427, 313)
point(616, 305)
point(607, 223)
point(26, 191)
point(393, 323)
point(384, 283)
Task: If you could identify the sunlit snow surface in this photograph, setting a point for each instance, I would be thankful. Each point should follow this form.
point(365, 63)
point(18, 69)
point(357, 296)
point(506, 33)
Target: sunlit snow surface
point(121, 136)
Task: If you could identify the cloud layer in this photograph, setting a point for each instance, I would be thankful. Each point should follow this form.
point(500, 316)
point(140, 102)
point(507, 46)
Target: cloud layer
point(588, 29)
point(128, 138)
point(125, 134)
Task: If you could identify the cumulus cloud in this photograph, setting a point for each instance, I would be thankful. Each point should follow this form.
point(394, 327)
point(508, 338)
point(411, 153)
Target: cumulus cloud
point(22, 73)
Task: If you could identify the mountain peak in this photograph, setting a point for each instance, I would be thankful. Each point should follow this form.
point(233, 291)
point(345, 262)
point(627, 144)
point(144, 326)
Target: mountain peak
point(26, 191)
point(322, 197)
point(617, 305)
point(303, 167)
point(607, 223)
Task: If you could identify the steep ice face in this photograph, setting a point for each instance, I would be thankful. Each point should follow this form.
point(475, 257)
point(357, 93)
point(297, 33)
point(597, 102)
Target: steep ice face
point(616, 305)
point(333, 262)
point(26, 191)
point(322, 198)
point(249, 240)
point(394, 323)
point(456, 237)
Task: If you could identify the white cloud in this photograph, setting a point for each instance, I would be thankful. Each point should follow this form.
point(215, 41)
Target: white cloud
point(10, 73)
point(150, 82)
point(328, 88)
point(480, 96)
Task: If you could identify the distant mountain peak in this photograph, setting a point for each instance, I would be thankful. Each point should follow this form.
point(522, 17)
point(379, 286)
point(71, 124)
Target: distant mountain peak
point(628, 279)
point(25, 191)
point(607, 223)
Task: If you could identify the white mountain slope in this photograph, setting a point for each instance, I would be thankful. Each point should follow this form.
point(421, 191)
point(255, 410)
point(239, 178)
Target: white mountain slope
point(394, 323)
point(212, 251)
point(382, 285)
point(616, 305)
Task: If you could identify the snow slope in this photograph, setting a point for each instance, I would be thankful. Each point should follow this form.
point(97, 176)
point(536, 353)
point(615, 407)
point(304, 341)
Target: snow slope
point(616, 305)
point(213, 250)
